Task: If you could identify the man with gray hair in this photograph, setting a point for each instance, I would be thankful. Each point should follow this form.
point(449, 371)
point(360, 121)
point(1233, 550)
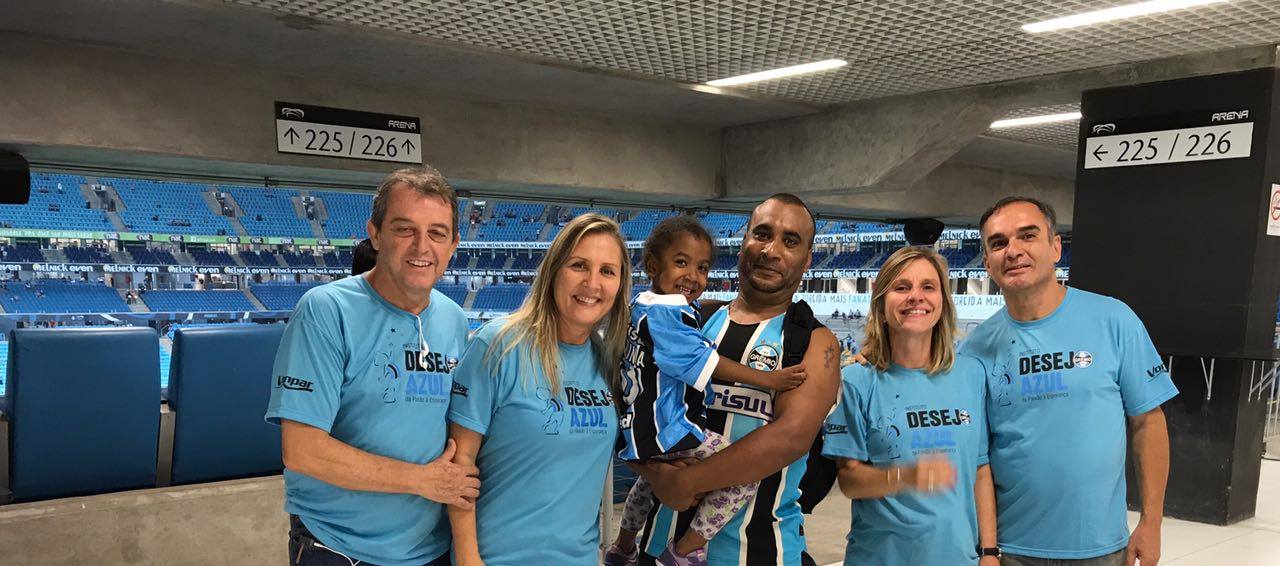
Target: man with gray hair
point(1067, 369)
point(361, 389)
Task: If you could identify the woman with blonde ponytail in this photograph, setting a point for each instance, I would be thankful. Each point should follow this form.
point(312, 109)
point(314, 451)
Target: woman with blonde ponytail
point(533, 407)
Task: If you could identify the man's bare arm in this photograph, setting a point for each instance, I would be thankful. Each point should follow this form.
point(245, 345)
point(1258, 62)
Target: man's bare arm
point(798, 415)
point(311, 451)
point(1151, 458)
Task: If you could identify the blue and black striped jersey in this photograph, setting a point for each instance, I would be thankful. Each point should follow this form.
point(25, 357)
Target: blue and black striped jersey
point(665, 372)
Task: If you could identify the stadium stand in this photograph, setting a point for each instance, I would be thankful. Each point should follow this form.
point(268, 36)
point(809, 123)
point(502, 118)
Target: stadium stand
point(341, 258)
point(723, 225)
point(70, 434)
point(505, 297)
point(259, 259)
point(211, 257)
point(851, 260)
point(818, 258)
point(280, 296)
point(580, 210)
point(56, 203)
point(639, 226)
point(526, 261)
point(461, 260)
point(519, 211)
point(218, 400)
point(348, 213)
point(196, 301)
point(557, 224)
point(295, 259)
point(78, 254)
point(512, 222)
point(268, 211)
point(455, 291)
point(57, 296)
point(491, 261)
point(22, 253)
point(146, 256)
point(167, 208)
point(958, 258)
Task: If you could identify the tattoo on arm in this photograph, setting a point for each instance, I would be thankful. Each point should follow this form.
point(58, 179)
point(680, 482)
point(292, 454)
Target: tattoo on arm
point(830, 356)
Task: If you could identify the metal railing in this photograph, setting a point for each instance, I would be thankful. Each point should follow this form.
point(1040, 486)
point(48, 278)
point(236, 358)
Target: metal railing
point(1268, 385)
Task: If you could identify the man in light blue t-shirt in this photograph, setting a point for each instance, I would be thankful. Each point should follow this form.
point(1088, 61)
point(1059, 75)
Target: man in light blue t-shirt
point(1067, 370)
point(361, 390)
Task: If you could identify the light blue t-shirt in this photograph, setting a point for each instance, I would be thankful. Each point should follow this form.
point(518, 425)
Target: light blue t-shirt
point(348, 364)
point(890, 419)
point(1059, 389)
point(544, 457)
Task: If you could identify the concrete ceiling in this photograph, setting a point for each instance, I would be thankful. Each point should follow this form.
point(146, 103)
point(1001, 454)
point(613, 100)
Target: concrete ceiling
point(208, 32)
point(645, 58)
point(893, 46)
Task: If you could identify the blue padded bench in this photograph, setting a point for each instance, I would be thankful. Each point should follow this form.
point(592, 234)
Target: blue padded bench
point(84, 411)
point(219, 383)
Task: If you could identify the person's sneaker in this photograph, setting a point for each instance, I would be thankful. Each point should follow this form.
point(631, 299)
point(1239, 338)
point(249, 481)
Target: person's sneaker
point(695, 558)
point(615, 557)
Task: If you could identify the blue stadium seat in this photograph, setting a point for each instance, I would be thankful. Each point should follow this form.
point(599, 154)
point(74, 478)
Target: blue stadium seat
point(507, 297)
point(722, 225)
point(530, 261)
point(219, 399)
point(212, 257)
point(29, 253)
point(280, 296)
point(339, 258)
point(348, 213)
point(84, 406)
point(166, 207)
point(638, 227)
point(456, 291)
point(56, 296)
point(851, 260)
point(55, 201)
point(269, 211)
point(197, 301)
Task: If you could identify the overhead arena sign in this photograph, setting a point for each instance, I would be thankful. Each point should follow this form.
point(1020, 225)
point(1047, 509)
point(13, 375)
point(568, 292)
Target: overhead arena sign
point(347, 134)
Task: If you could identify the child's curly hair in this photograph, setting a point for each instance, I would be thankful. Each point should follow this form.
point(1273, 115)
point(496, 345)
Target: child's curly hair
point(666, 232)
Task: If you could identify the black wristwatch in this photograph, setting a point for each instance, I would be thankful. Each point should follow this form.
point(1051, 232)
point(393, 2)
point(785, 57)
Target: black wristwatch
point(989, 551)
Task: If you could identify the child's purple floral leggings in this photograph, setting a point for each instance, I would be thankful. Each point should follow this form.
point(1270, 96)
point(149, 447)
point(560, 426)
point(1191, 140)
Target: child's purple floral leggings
point(714, 511)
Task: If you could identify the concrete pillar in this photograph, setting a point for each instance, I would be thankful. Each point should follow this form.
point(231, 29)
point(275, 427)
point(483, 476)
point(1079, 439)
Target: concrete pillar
point(1173, 200)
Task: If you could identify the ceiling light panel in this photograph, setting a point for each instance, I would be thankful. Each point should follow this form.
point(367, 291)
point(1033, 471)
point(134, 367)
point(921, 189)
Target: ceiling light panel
point(1114, 13)
point(1058, 134)
point(892, 46)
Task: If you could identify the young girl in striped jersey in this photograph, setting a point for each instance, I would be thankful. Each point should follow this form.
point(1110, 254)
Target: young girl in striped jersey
point(665, 373)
